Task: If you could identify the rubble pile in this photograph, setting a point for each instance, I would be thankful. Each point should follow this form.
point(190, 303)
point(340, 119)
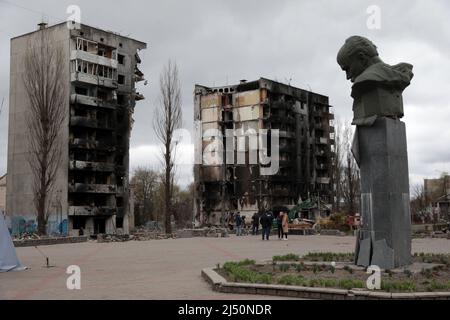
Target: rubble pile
point(150, 235)
point(27, 236)
point(113, 238)
point(210, 232)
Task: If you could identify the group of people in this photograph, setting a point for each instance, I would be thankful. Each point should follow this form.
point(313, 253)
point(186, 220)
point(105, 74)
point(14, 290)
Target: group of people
point(265, 219)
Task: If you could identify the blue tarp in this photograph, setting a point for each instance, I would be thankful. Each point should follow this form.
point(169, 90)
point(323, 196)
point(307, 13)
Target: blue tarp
point(8, 256)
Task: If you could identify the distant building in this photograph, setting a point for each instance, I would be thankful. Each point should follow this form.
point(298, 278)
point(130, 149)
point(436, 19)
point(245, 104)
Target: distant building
point(437, 193)
point(91, 190)
point(306, 137)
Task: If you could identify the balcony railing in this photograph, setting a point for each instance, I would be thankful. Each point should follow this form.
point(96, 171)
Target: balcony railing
point(93, 79)
point(92, 166)
point(92, 101)
point(91, 211)
point(89, 122)
point(93, 58)
point(322, 141)
point(92, 144)
point(323, 180)
point(92, 188)
point(82, 99)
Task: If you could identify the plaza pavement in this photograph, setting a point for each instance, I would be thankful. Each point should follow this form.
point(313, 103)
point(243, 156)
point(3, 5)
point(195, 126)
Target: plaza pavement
point(158, 269)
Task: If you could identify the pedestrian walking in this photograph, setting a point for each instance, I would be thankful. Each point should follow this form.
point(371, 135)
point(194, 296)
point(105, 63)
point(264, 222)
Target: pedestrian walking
point(279, 225)
point(285, 225)
point(255, 223)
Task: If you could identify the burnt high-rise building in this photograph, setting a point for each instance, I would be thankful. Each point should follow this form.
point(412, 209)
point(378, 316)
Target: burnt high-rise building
point(91, 192)
point(306, 139)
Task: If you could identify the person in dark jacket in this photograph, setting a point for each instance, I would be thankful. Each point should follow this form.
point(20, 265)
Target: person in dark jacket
point(266, 223)
point(255, 223)
point(279, 225)
point(238, 221)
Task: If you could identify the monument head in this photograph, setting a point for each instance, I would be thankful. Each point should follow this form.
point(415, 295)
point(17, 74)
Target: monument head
point(356, 55)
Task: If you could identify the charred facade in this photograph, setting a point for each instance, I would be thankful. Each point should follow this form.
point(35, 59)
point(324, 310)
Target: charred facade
point(306, 139)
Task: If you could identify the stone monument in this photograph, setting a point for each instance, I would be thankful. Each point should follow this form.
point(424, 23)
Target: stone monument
point(379, 148)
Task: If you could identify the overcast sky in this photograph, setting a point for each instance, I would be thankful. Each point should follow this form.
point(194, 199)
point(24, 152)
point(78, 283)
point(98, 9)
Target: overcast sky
point(221, 42)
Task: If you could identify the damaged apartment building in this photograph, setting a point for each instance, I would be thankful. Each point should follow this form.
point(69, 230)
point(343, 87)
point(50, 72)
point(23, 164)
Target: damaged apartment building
point(306, 139)
point(91, 191)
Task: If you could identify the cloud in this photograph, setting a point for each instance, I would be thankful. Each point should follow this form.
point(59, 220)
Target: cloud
point(150, 156)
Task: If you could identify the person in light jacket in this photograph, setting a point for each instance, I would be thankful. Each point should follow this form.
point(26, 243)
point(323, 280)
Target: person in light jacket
point(285, 225)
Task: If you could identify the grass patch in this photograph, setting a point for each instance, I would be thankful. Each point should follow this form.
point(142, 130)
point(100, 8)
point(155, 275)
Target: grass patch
point(350, 284)
point(437, 286)
point(329, 256)
point(239, 273)
point(287, 257)
point(433, 258)
point(292, 280)
point(401, 286)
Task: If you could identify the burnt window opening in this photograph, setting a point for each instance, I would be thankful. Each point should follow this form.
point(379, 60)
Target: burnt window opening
point(79, 222)
point(119, 222)
point(120, 181)
point(102, 95)
point(121, 99)
point(121, 79)
point(119, 160)
point(81, 90)
point(121, 59)
point(102, 157)
point(120, 45)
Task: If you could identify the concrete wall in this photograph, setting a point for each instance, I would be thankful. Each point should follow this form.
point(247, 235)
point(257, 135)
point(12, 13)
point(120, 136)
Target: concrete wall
point(19, 195)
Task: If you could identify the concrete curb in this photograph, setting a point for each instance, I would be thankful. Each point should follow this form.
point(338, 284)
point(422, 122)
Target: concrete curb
point(48, 241)
point(220, 284)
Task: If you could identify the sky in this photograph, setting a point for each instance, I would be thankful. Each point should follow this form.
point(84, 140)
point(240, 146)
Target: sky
point(220, 42)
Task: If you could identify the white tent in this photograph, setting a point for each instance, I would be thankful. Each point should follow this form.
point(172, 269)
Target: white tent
point(8, 256)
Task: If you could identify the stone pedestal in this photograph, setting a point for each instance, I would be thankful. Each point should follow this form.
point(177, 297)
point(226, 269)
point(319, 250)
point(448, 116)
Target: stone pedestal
point(385, 235)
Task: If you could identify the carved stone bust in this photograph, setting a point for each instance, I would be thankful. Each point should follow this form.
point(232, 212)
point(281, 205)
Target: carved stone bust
point(377, 87)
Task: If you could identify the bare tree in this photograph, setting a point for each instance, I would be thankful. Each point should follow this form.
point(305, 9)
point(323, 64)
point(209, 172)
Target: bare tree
point(337, 166)
point(350, 179)
point(45, 88)
point(167, 119)
point(418, 202)
point(145, 182)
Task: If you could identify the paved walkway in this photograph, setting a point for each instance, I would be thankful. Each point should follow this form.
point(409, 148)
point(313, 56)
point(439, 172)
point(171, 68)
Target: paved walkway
point(158, 269)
